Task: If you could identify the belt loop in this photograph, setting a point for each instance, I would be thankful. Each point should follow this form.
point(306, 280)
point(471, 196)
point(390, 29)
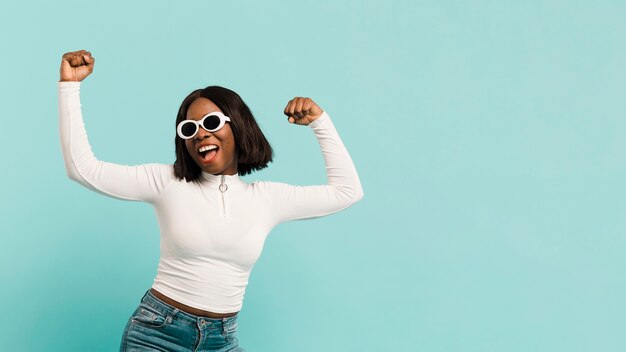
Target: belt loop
point(144, 295)
point(171, 315)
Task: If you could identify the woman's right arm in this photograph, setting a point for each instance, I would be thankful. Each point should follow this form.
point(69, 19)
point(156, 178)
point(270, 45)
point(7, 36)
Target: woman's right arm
point(139, 183)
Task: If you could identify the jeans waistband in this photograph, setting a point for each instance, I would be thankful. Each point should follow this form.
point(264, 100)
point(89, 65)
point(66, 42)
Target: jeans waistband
point(167, 310)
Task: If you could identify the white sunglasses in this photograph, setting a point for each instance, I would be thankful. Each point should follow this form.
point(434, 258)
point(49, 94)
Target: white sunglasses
point(211, 122)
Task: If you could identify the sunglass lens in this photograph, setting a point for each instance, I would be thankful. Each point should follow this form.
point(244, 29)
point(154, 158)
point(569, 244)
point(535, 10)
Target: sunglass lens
point(211, 122)
point(188, 129)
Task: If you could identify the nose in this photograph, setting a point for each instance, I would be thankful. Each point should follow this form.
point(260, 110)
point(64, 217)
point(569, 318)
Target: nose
point(202, 133)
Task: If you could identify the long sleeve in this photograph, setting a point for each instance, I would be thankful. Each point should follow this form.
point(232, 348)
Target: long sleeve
point(343, 189)
point(136, 183)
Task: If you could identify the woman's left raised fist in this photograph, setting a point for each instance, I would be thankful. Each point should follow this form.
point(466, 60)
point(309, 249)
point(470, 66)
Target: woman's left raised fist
point(302, 111)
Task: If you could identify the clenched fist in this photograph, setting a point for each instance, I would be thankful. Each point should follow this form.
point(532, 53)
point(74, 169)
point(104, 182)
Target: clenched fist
point(76, 65)
point(302, 111)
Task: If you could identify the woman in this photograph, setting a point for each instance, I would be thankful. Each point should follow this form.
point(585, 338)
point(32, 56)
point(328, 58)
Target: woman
point(213, 224)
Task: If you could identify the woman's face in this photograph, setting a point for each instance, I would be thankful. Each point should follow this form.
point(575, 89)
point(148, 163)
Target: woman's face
point(222, 160)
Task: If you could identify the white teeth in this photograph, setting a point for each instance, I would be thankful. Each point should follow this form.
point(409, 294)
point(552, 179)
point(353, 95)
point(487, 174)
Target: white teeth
point(207, 147)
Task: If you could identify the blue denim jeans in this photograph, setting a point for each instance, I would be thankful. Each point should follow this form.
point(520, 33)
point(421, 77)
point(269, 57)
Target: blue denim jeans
point(157, 326)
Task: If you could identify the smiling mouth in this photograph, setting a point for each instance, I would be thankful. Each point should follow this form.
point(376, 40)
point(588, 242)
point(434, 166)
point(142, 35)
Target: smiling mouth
point(208, 155)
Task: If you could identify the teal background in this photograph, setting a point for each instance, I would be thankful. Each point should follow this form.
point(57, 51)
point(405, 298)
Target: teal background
point(488, 135)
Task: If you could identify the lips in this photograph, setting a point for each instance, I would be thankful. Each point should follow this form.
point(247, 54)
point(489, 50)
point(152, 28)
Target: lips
point(207, 153)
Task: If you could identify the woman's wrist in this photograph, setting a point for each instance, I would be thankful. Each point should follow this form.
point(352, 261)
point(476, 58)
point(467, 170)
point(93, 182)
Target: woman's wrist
point(319, 120)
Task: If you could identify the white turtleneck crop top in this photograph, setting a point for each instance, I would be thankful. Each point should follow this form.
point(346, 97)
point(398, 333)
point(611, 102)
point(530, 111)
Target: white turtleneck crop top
point(210, 239)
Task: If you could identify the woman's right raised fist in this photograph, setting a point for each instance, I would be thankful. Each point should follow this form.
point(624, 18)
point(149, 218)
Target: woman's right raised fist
point(76, 65)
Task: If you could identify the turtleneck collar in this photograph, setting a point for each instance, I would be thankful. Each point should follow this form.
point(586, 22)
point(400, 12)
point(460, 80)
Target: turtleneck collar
point(217, 179)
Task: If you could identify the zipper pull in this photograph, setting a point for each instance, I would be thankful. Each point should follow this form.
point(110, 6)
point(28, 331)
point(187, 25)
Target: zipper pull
point(223, 186)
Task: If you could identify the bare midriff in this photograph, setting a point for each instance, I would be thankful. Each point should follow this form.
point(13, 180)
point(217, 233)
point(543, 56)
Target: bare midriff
point(188, 309)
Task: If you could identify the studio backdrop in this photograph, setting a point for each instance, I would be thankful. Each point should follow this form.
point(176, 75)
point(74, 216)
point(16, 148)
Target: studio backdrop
point(489, 137)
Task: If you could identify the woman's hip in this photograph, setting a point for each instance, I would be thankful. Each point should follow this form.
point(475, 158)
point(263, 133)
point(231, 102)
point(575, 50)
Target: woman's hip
point(155, 324)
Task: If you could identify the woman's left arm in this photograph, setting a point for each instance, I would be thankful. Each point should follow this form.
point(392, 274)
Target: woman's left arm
point(343, 188)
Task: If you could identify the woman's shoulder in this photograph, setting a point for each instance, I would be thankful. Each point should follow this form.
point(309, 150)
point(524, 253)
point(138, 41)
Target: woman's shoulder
point(160, 167)
point(160, 171)
point(267, 186)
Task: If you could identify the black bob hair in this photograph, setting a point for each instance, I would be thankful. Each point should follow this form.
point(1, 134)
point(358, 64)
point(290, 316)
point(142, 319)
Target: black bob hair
point(253, 150)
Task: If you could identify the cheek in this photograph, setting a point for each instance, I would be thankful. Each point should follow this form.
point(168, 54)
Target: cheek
point(228, 143)
point(231, 145)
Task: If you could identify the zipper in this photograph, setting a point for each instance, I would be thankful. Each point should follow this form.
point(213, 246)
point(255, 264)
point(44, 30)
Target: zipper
point(223, 188)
